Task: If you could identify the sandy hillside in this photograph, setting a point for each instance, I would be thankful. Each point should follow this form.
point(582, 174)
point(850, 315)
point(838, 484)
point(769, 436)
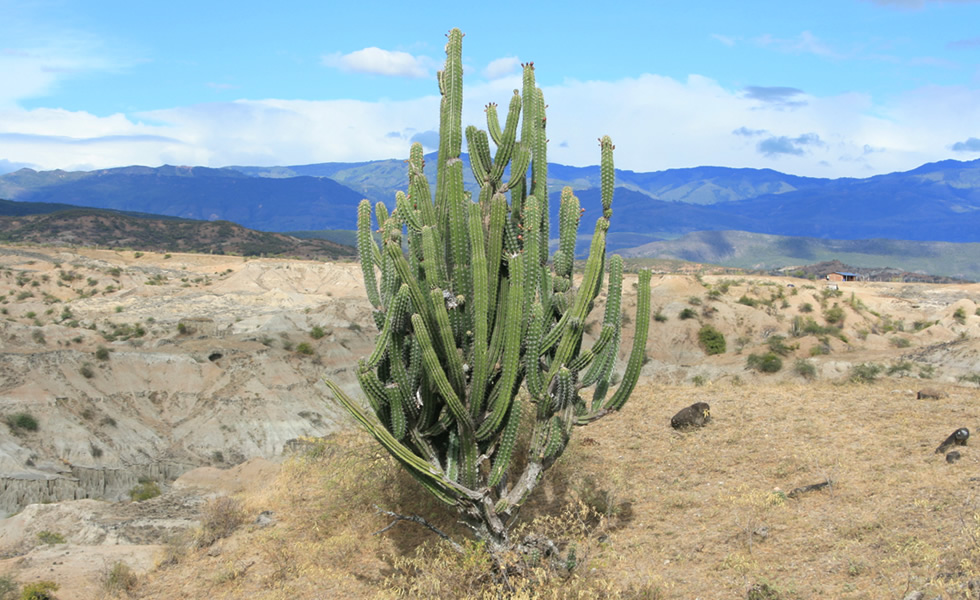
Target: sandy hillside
point(138, 368)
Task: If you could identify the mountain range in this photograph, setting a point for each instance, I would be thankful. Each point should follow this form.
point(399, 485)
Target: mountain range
point(937, 202)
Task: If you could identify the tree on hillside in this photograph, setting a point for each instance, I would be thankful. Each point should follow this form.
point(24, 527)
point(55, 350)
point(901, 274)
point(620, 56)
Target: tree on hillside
point(481, 337)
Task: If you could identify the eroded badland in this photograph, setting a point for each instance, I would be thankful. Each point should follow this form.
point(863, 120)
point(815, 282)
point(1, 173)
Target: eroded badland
point(201, 374)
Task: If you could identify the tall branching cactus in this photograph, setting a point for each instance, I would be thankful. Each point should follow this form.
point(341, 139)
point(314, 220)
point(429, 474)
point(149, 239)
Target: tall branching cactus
point(481, 336)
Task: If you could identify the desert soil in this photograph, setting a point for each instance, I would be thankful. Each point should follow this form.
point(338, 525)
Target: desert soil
point(213, 378)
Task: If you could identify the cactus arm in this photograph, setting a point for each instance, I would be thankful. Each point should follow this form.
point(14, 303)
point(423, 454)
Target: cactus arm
point(530, 106)
point(493, 123)
point(411, 216)
point(638, 354)
point(427, 474)
point(457, 220)
point(435, 370)
point(469, 471)
point(532, 366)
point(397, 413)
point(444, 331)
point(495, 242)
point(568, 221)
point(419, 300)
point(586, 293)
point(450, 120)
point(502, 457)
point(511, 349)
point(607, 174)
point(588, 357)
point(518, 166)
point(367, 249)
point(478, 146)
point(506, 146)
point(373, 388)
point(435, 269)
point(612, 320)
point(419, 191)
point(539, 174)
point(480, 311)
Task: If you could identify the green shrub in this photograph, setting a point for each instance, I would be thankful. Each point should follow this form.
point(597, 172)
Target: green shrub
point(712, 341)
point(40, 590)
point(102, 353)
point(687, 313)
point(805, 369)
point(778, 346)
point(22, 420)
point(834, 315)
point(50, 537)
point(747, 301)
point(959, 315)
point(660, 317)
point(764, 363)
point(865, 372)
point(900, 342)
point(317, 332)
point(900, 367)
point(305, 348)
point(86, 371)
point(144, 490)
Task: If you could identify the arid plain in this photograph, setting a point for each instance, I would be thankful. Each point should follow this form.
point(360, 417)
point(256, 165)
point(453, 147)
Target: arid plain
point(200, 375)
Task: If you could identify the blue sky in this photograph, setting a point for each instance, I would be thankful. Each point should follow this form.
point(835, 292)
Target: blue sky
point(837, 88)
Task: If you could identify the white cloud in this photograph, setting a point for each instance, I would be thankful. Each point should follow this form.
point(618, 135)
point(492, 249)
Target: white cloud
point(724, 39)
point(656, 122)
point(376, 61)
point(501, 67)
point(805, 43)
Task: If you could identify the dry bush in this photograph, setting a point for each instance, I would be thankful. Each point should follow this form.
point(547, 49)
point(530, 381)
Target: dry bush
point(118, 580)
point(220, 517)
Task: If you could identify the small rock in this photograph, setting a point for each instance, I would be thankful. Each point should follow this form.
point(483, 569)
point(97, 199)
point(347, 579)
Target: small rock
point(930, 394)
point(957, 438)
point(953, 457)
point(265, 519)
point(695, 415)
point(913, 595)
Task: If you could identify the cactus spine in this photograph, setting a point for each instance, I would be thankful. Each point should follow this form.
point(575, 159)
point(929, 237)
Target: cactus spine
point(476, 312)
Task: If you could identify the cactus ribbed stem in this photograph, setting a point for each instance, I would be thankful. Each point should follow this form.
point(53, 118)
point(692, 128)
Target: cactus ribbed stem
point(366, 250)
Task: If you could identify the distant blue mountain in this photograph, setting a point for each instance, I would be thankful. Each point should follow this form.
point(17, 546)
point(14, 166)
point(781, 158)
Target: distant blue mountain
point(938, 201)
point(195, 193)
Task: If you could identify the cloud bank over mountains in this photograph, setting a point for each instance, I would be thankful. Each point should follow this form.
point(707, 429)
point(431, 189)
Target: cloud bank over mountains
point(657, 123)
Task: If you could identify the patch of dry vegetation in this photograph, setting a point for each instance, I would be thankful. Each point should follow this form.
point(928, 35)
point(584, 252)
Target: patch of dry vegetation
point(641, 511)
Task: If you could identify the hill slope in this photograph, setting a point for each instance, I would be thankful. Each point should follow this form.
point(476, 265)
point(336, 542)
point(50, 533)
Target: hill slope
point(761, 251)
point(94, 227)
point(195, 193)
